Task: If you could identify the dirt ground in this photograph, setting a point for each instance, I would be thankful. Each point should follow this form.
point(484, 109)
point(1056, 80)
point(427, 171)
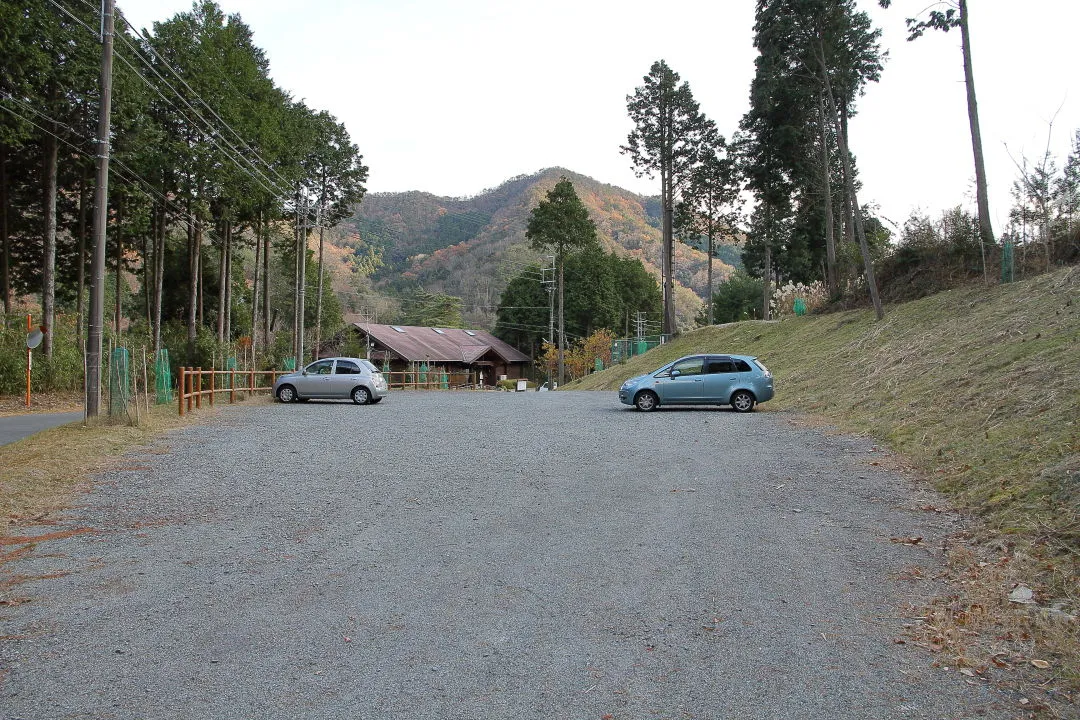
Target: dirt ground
point(40, 403)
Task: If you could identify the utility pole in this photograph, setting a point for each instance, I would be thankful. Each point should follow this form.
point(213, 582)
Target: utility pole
point(301, 274)
point(549, 284)
point(101, 199)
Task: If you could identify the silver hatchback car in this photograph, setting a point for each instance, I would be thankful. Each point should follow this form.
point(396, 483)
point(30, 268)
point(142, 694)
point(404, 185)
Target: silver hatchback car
point(339, 378)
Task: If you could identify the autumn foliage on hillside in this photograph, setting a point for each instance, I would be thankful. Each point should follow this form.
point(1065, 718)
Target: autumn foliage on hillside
point(473, 247)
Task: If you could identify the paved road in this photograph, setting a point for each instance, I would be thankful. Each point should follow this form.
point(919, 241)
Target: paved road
point(483, 555)
point(16, 427)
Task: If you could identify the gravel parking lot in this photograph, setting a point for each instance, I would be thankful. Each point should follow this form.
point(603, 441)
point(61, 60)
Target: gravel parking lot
point(484, 555)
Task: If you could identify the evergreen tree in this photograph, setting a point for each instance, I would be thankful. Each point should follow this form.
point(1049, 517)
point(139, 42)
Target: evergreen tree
point(561, 224)
point(667, 139)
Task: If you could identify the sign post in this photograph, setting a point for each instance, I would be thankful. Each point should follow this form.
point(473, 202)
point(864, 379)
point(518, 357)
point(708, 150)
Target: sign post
point(33, 339)
point(29, 359)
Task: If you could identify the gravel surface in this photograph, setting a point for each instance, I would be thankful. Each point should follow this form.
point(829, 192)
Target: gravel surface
point(484, 555)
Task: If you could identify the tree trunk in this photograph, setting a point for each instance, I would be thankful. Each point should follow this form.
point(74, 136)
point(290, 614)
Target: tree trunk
point(194, 263)
point(849, 211)
point(223, 251)
point(266, 286)
point(709, 311)
point(766, 284)
point(159, 275)
point(668, 271)
point(118, 305)
point(255, 284)
point(986, 230)
point(80, 305)
point(5, 253)
point(318, 300)
point(562, 327)
point(227, 287)
point(845, 157)
point(148, 264)
point(831, 279)
point(48, 274)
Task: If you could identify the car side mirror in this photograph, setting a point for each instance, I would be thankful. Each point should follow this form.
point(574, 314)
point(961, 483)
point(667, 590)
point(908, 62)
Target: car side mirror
point(676, 373)
point(304, 371)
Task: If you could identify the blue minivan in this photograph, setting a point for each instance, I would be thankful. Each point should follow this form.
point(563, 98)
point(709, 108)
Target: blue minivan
point(740, 381)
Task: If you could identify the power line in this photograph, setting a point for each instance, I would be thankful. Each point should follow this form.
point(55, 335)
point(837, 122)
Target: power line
point(207, 130)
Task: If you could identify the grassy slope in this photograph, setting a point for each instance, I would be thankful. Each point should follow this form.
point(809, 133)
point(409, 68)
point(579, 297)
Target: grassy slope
point(977, 387)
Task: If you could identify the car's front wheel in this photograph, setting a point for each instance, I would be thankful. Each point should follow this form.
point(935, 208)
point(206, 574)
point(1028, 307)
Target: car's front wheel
point(286, 394)
point(646, 400)
point(361, 396)
point(742, 401)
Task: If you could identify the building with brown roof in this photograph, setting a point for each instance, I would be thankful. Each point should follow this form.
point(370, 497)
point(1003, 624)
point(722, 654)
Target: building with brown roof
point(403, 348)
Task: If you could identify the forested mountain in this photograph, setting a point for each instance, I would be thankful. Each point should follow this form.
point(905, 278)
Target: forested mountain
point(472, 247)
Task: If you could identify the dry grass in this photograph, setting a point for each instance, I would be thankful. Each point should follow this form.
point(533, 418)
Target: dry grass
point(43, 472)
point(40, 403)
point(978, 390)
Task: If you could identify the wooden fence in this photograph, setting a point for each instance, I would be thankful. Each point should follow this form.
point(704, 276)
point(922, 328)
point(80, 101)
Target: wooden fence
point(194, 384)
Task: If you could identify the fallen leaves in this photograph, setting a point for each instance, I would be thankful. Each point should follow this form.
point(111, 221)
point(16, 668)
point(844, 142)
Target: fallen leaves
point(907, 540)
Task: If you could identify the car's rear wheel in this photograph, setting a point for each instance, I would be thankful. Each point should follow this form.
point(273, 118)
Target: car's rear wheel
point(286, 394)
point(361, 396)
point(742, 401)
point(646, 400)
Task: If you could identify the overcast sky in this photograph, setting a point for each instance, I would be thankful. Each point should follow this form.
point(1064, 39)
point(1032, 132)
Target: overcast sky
point(455, 97)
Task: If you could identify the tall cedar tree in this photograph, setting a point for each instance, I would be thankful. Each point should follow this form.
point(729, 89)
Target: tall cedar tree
point(708, 207)
point(813, 54)
point(669, 131)
point(561, 223)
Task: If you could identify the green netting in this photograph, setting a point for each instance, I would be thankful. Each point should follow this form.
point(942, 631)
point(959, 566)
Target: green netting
point(119, 381)
point(623, 350)
point(598, 365)
point(230, 364)
point(163, 377)
point(800, 306)
point(445, 381)
point(1007, 261)
point(423, 373)
point(288, 364)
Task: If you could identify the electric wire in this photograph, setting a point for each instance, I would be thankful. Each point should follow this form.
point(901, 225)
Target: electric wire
point(206, 128)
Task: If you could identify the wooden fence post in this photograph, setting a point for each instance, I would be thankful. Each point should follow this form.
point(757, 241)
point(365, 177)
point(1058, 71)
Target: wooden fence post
point(232, 386)
point(213, 385)
point(182, 379)
point(198, 386)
